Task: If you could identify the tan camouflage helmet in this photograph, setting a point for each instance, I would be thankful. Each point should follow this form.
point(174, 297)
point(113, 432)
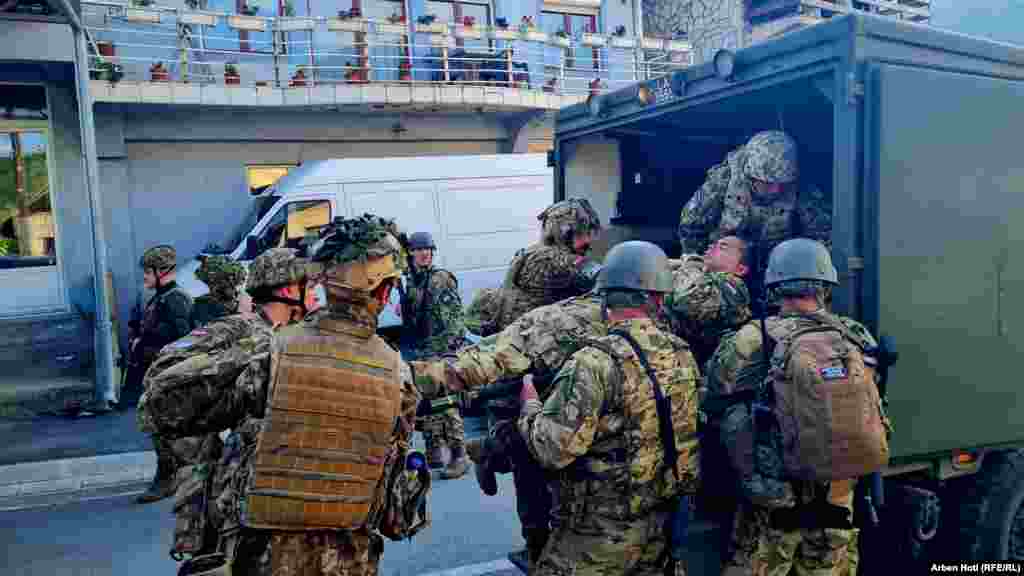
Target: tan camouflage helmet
point(222, 274)
point(359, 253)
point(562, 220)
point(162, 258)
point(772, 157)
point(277, 267)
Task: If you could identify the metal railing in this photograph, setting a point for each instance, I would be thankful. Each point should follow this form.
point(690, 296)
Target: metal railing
point(161, 44)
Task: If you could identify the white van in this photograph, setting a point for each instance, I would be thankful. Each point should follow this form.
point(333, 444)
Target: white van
point(479, 209)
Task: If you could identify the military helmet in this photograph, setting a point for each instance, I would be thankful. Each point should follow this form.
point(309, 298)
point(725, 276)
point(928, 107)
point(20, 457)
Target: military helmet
point(277, 267)
point(360, 253)
point(561, 220)
point(635, 265)
point(162, 257)
point(220, 273)
point(421, 240)
point(772, 157)
point(800, 259)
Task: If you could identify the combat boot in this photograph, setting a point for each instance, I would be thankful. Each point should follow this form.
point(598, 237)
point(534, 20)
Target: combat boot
point(162, 485)
point(458, 466)
point(484, 475)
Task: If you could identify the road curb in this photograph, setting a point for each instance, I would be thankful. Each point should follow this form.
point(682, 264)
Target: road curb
point(22, 484)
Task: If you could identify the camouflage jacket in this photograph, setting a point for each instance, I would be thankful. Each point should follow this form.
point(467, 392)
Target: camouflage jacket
point(539, 275)
point(231, 393)
point(191, 388)
point(432, 320)
point(741, 349)
point(538, 343)
point(724, 202)
point(703, 305)
point(167, 317)
point(207, 308)
point(231, 478)
point(600, 425)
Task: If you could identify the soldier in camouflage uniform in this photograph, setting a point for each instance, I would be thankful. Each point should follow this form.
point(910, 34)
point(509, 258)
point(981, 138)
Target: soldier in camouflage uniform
point(216, 354)
point(757, 547)
point(757, 185)
point(363, 260)
point(599, 429)
point(223, 276)
point(556, 267)
point(709, 294)
point(432, 325)
point(166, 318)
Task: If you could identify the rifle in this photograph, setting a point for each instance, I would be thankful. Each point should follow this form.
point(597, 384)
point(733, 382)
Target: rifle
point(887, 356)
point(504, 388)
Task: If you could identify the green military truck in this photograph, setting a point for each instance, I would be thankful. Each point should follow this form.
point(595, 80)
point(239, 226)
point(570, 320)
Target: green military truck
point(915, 134)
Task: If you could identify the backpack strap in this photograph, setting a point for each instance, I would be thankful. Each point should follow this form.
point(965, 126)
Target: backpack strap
point(662, 404)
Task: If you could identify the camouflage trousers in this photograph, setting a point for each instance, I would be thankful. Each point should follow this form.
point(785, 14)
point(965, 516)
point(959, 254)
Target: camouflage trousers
point(443, 429)
point(761, 550)
point(603, 547)
point(315, 553)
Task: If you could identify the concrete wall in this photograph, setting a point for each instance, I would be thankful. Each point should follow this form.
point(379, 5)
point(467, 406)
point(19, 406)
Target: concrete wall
point(178, 176)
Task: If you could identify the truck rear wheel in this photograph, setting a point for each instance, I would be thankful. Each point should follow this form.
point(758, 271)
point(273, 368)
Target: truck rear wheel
point(990, 526)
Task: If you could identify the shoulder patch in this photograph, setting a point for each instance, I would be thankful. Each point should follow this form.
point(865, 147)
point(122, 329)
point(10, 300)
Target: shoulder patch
point(833, 372)
point(182, 344)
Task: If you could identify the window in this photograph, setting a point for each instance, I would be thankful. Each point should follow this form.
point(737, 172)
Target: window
point(456, 12)
point(27, 227)
point(580, 62)
point(263, 177)
point(288, 227)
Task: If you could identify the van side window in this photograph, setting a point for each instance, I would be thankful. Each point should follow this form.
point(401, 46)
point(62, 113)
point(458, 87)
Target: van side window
point(288, 226)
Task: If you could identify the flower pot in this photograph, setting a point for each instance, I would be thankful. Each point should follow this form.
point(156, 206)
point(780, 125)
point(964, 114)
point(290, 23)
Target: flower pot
point(346, 25)
point(138, 15)
point(232, 79)
point(160, 75)
point(389, 28)
point(251, 23)
point(433, 28)
point(198, 18)
point(106, 48)
point(405, 77)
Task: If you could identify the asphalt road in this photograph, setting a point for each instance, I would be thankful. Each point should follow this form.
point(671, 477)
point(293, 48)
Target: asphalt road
point(116, 537)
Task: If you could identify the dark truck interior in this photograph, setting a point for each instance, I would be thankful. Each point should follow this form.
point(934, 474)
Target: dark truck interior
point(665, 159)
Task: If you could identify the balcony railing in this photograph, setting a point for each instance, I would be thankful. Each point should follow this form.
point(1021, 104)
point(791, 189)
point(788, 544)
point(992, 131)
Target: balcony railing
point(155, 44)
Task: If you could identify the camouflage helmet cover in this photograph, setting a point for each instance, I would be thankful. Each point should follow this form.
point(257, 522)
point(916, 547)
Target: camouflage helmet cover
point(277, 267)
point(772, 157)
point(800, 260)
point(162, 257)
point(635, 265)
point(421, 240)
point(563, 219)
point(360, 253)
point(221, 274)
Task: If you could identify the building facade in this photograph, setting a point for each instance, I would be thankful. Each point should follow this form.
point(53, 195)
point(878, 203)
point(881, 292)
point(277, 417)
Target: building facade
point(198, 105)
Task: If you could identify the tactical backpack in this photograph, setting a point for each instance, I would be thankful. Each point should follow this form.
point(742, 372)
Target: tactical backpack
point(826, 403)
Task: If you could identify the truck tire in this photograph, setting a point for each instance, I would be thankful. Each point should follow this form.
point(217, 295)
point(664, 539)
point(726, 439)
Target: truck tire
point(990, 526)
